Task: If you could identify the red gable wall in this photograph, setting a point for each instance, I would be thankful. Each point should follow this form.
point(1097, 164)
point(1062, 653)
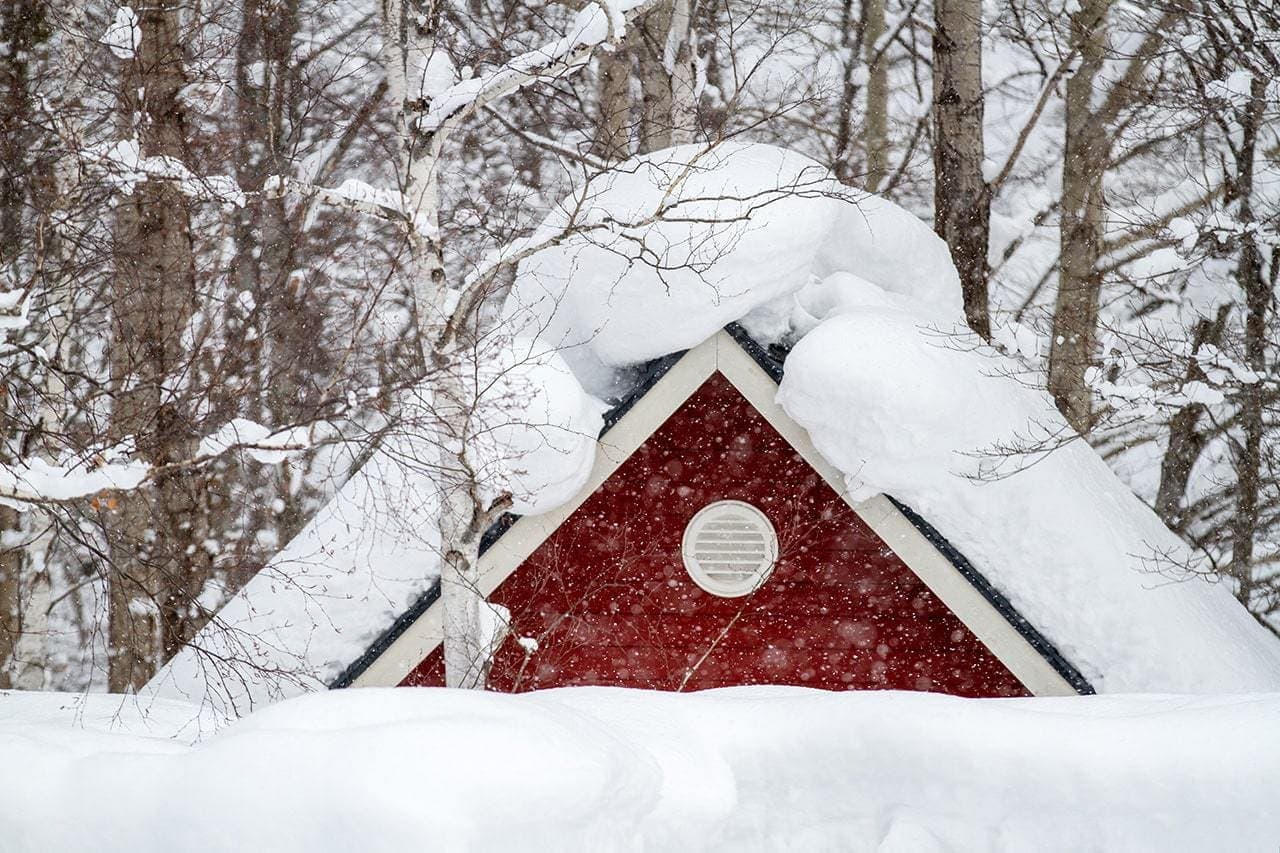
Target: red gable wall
point(609, 602)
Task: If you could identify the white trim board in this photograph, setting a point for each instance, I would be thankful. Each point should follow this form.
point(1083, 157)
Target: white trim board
point(650, 411)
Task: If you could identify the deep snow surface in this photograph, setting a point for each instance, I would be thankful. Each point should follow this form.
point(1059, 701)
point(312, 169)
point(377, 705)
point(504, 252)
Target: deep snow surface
point(596, 769)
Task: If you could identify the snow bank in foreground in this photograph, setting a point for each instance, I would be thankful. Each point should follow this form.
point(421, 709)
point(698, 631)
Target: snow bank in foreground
point(926, 417)
point(107, 713)
point(667, 248)
point(601, 770)
point(371, 551)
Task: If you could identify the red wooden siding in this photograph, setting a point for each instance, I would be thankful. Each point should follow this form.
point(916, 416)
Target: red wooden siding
point(609, 602)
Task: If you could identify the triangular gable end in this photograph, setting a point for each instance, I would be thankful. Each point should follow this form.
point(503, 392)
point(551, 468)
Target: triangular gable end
point(960, 587)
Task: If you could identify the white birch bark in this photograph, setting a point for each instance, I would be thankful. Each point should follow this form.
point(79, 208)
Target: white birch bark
point(683, 69)
point(409, 46)
point(39, 524)
point(427, 110)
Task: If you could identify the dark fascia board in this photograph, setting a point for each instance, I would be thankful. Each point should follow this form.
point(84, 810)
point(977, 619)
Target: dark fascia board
point(1003, 606)
point(771, 362)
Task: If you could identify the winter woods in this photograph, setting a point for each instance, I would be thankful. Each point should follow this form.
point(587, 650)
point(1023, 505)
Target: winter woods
point(247, 243)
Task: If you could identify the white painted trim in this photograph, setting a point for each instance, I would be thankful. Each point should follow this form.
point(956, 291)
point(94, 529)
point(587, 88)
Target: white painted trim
point(721, 352)
point(954, 590)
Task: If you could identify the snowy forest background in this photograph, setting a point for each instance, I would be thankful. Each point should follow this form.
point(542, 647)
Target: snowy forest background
point(274, 214)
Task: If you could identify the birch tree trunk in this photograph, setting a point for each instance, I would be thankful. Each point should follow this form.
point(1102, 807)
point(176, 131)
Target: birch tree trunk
point(962, 199)
point(25, 538)
point(60, 222)
point(668, 76)
point(417, 69)
point(1075, 313)
point(10, 595)
point(681, 62)
point(158, 559)
point(410, 46)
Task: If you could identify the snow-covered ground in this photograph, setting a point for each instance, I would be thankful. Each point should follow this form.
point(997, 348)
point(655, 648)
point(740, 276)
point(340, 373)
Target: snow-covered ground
point(599, 769)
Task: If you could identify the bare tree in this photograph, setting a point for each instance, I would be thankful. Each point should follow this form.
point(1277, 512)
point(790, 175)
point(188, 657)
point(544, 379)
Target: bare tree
point(22, 28)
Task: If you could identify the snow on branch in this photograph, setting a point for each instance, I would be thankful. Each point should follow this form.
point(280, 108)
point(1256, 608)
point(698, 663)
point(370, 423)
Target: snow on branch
point(356, 195)
point(15, 309)
point(33, 481)
point(593, 25)
point(124, 166)
point(124, 36)
point(260, 442)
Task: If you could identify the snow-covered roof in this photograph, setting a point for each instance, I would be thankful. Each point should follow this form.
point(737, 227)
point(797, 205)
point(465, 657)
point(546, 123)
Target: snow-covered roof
point(938, 424)
point(372, 551)
point(892, 389)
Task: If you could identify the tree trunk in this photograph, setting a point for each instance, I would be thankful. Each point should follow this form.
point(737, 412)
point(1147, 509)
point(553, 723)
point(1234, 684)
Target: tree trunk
point(655, 80)
point(281, 344)
point(679, 53)
point(447, 334)
point(851, 39)
point(962, 200)
point(875, 128)
point(1075, 313)
point(22, 27)
point(10, 596)
point(158, 559)
point(613, 124)
point(1257, 296)
point(59, 221)
point(408, 40)
point(713, 109)
point(1186, 440)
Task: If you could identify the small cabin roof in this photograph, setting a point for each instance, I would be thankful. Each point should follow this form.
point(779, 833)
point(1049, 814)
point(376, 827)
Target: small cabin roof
point(351, 585)
point(771, 363)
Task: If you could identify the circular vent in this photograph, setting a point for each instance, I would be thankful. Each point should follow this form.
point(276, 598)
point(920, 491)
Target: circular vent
point(729, 548)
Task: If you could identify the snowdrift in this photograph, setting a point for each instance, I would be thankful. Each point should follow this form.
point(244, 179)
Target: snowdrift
point(595, 769)
point(659, 253)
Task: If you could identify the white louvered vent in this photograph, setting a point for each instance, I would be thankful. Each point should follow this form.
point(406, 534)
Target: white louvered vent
point(729, 548)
